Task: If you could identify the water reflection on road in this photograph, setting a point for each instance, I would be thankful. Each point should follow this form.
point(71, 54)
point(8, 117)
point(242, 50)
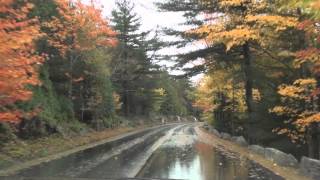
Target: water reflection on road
point(174, 152)
point(185, 157)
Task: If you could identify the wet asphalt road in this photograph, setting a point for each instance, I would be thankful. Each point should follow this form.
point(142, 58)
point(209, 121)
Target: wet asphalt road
point(184, 156)
point(174, 152)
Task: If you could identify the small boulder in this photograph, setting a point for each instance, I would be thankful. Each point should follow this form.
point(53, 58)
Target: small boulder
point(310, 167)
point(239, 140)
point(257, 149)
point(280, 157)
point(215, 132)
point(206, 127)
point(226, 136)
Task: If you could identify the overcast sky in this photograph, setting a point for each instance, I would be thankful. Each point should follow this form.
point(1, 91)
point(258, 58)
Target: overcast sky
point(151, 19)
point(149, 14)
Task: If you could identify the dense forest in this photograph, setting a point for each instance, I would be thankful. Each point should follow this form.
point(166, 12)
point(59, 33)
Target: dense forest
point(65, 67)
point(260, 60)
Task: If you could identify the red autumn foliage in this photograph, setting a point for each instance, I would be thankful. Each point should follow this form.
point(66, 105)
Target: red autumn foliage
point(18, 58)
point(83, 24)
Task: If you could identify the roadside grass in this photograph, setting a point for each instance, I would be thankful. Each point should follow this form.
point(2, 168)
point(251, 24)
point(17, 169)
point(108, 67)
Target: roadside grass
point(18, 151)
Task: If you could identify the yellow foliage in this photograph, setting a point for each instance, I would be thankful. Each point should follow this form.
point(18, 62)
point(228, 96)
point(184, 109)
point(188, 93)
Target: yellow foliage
point(256, 95)
point(215, 83)
point(234, 37)
point(280, 22)
point(282, 110)
point(290, 91)
point(235, 28)
point(233, 3)
point(160, 91)
point(297, 104)
point(301, 89)
point(306, 121)
point(117, 100)
point(204, 96)
point(306, 82)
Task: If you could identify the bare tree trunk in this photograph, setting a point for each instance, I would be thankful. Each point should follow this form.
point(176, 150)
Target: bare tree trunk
point(248, 76)
point(71, 77)
point(233, 106)
point(82, 103)
point(73, 59)
point(317, 124)
point(313, 142)
point(126, 97)
point(318, 140)
point(126, 100)
point(248, 86)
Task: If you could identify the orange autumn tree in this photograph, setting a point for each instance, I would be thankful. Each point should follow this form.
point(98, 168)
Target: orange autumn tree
point(303, 121)
point(18, 57)
point(79, 27)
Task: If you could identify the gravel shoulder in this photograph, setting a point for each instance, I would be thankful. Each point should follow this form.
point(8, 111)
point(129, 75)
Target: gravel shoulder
point(285, 172)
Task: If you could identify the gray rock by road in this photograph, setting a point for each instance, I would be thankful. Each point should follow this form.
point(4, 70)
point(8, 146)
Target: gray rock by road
point(206, 127)
point(215, 132)
point(257, 149)
point(226, 136)
point(280, 157)
point(310, 167)
point(240, 140)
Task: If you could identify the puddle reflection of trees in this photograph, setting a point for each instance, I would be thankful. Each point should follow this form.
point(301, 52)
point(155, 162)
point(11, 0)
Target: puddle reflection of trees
point(198, 162)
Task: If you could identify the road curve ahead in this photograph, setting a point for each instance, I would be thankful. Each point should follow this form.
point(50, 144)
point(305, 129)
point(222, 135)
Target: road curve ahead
point(168, 152)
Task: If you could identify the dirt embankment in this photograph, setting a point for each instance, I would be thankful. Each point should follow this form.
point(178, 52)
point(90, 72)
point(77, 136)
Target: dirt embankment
point(285, 172)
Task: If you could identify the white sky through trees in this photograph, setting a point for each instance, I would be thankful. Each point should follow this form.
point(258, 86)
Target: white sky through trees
point(149, 14)
point(151, 18)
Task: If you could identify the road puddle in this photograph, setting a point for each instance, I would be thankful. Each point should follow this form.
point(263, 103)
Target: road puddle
point(182, 157)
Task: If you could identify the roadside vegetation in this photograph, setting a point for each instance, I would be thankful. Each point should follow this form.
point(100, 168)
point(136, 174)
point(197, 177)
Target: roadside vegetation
point(260, 61)
point(67, 71)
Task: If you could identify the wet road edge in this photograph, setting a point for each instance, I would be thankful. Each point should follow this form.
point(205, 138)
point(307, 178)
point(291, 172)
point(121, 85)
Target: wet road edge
point(224, 145)
point(116, 139)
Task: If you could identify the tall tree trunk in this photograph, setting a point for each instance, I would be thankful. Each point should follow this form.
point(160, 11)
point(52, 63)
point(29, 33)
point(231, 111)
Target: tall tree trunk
point(233, 108)
point(126, 100)
point(73, 59)
point(318, 140)
point(248, 85)
point(317, 125)
point(248, 77)
point(82, 102)
point(313, 142)
point(70, 93)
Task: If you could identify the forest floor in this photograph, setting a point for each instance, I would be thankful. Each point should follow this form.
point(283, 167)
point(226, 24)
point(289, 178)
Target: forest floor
point(285, 172)
point(17, 152)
